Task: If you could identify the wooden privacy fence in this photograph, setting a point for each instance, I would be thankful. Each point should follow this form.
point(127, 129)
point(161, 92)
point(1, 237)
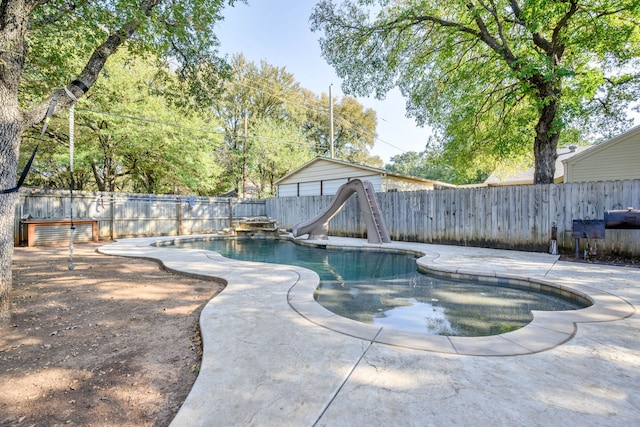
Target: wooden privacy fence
point(122, 215)
point(509, 217)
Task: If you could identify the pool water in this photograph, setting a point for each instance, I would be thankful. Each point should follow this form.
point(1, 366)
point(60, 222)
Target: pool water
point(386, 289)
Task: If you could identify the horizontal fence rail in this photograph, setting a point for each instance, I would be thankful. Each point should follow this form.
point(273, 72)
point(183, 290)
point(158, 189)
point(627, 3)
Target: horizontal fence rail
point(121, 215)
point(508, 217)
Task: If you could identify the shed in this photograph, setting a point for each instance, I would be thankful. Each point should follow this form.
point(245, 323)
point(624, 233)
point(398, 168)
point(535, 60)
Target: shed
point(323, 176)
point(613, 160)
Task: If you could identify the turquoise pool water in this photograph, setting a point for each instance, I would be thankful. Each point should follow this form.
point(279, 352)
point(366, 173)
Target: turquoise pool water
point(386, 289)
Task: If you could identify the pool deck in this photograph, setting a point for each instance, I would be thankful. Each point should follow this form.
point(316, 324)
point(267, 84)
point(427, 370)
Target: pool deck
point(273, 357)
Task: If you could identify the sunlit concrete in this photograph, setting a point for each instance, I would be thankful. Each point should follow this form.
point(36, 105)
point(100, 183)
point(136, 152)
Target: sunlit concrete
point(272, 356)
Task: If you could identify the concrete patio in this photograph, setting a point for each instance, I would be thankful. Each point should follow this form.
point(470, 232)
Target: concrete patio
point(272, 356)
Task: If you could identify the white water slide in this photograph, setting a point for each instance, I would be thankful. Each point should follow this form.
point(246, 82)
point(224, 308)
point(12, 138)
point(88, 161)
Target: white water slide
point(318, 227)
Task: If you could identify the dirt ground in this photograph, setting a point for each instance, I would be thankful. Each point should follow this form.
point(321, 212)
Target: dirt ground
point(114, 342)
point(619, 261)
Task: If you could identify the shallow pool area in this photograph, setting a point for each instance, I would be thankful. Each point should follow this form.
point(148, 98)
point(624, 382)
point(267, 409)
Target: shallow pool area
point(385, 288)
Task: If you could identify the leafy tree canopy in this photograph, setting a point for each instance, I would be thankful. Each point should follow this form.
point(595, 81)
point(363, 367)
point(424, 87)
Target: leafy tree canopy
point(499, 80)
point(259, 98)
point(354, 130)
point(71, 38)
point(275, 150)
point(128, 139)
point(432, 163)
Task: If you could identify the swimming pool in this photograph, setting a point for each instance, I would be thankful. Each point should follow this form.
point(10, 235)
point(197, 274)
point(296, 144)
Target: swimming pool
point(386, 289)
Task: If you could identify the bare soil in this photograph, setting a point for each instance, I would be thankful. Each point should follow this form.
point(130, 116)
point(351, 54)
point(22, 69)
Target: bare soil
point(113, 342)
point(619, 261)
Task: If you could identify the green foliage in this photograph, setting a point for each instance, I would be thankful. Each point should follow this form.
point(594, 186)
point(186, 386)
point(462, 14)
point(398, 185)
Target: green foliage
point(63, 36)
point(254, 94)
point(275, 150)
point(142, 126)
point(499, 80)
point(354, 130)
point(130, 140)
point(279, 111)
point(433, 164)
point(129, 137)
point(45, 45)
point(58, 51)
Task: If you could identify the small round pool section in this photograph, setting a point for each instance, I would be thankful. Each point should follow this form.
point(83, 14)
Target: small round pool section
point(386, 289)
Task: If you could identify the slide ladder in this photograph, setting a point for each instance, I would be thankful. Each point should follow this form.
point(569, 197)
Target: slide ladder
point(318, 227)
point(378, 224)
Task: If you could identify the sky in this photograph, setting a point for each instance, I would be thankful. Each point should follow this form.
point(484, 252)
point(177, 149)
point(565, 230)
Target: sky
point(278, 31)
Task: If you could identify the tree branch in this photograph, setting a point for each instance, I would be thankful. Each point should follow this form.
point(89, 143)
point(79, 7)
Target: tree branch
point(61, 12)
point(557, 46)
point(414, 20)
point(92, 69)
point(501, 49)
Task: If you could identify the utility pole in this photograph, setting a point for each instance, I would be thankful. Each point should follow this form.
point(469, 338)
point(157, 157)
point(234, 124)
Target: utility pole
point(332, 154)
point(244, 155)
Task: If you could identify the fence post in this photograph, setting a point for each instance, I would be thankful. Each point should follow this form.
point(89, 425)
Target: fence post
point(179, 217)
point(113, 216)
point(18, 237)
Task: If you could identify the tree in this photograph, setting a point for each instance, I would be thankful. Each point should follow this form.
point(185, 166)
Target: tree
point(128, 139)
point(254, 93)
point(354, 128)
point(279, 114)
point(498, 79)
point(182, 31)
point(275, 149)
point(432, 163)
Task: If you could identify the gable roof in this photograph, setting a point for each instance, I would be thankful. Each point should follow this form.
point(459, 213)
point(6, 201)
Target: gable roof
point(524, 177)
point(364, 168)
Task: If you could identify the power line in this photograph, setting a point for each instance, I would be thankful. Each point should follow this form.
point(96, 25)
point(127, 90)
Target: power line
point(319, 108)
point(254, 85)
point(154, 121)
point(217, 132)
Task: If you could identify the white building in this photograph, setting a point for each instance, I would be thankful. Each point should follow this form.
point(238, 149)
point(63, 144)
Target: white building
point(323, 176)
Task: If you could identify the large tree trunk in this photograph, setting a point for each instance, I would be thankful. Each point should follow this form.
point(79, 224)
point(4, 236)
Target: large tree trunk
point(13, 22)
point(7, 203)
point(545, 146)
point(9, 147)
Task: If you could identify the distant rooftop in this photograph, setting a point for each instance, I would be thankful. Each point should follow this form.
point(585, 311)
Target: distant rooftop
point(524, 177)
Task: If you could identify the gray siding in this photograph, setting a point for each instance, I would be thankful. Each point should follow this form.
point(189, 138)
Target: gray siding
point(322, 187)
point(309, 188)
point(288, 190)
point(617, 159)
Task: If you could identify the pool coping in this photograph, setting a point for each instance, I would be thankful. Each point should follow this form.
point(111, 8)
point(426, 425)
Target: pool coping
point(546, 331)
